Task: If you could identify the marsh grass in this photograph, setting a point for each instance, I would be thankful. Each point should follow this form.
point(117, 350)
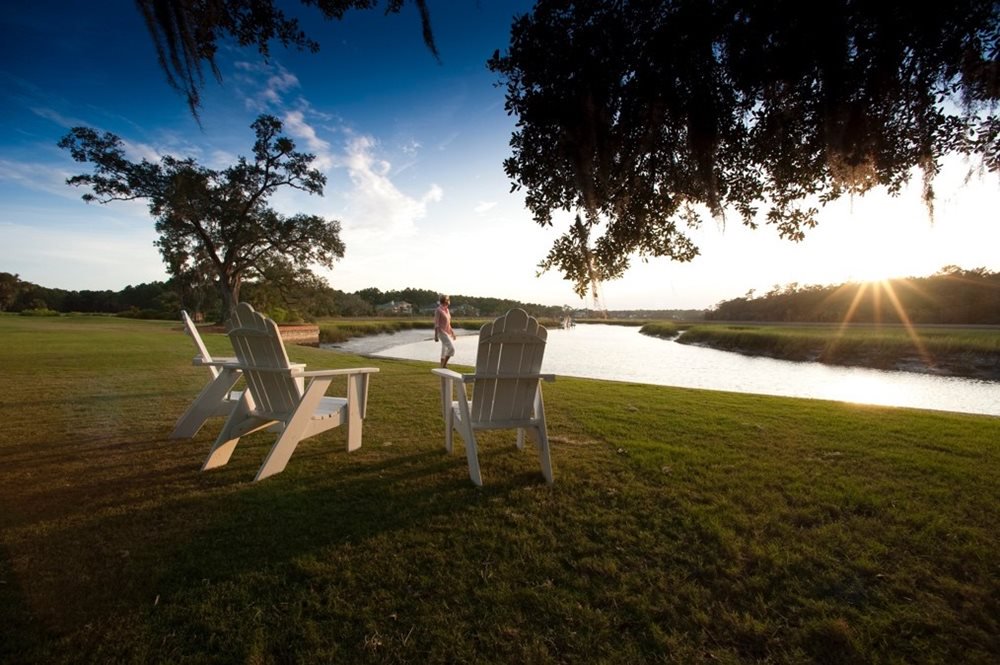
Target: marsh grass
point(684, 526)
point(335, 331)
point(615, 322)
point(964, 351)
point(664, 329)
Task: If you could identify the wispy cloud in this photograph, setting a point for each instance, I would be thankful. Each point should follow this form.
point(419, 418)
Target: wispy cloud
point(56, 117)
point(484, 206)
point(38, 177)
point(296, 125)
point(132, 149)
point(411, 147)
point(375, 204)
point(270, 83)
point(141, 150)
point(448, 140)
point(375, 207)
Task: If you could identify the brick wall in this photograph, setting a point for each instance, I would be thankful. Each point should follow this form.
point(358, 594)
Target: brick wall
point(308, 335)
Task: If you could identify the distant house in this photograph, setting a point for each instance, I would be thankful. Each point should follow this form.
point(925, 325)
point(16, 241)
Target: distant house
point(456, 310)
point(464, 310)
point(394, 307)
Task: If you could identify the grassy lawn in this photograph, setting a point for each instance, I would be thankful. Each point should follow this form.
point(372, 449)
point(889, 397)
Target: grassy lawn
point(684, 526)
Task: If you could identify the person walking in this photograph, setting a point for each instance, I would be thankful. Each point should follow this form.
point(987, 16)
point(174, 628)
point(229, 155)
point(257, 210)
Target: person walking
point(442, 329)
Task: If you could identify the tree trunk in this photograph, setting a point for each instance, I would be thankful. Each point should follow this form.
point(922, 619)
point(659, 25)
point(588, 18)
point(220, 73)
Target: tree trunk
point(229, 291)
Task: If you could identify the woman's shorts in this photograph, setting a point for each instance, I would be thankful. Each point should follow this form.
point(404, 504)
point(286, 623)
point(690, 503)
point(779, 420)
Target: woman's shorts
point(447, 348)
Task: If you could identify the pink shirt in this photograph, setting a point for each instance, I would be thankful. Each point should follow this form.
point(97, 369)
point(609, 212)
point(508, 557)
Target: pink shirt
point(442, 320)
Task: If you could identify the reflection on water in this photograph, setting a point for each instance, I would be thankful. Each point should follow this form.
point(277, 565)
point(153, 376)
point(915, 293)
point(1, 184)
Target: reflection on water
point(620, 353)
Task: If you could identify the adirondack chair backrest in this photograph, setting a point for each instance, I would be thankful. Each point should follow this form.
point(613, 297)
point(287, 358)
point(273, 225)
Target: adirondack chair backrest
point(510, 348)
point(192, 330)
point(258, 346)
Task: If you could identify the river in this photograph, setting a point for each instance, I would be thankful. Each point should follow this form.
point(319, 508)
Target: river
point(621, 353)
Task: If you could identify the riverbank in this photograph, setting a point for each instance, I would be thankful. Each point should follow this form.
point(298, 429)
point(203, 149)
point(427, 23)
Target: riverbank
point(336, 331)
point(683, 525)
point(972, 352)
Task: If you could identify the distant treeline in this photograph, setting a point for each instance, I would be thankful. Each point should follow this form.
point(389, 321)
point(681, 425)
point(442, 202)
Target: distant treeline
point(304, 300)
point(953, 296)
point(647, 314)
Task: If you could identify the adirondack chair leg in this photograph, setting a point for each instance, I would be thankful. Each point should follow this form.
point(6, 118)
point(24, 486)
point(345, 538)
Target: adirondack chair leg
point(542, 438)
point(469, 436)
point(472, 454)
point(445, 397)
point(449, 430)
point(238, 423)
point(544, 454)
point(277, 458)
point(206, 405)
point(520, 438)
point(447, 412)
point(357, 397)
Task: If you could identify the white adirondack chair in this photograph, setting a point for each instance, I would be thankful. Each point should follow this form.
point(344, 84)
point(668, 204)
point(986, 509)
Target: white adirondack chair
point(506, 389)
point(215, 399)
point(281, 398)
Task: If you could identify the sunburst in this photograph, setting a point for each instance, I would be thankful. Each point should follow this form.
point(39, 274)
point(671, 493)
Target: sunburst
point(886, 288)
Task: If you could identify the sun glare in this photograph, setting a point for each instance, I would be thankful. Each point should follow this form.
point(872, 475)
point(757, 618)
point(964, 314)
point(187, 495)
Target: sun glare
point(884, 289)
point(876, 273)
point(864, 389)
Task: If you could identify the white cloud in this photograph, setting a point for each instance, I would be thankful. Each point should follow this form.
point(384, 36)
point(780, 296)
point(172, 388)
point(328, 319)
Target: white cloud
point(411, 147)
point(297, 126)
point(271, 83)
point(484, 206)
point(38, 177)
point(375, 206)
point(141, 151)
point(58, 118)
point(222, 159)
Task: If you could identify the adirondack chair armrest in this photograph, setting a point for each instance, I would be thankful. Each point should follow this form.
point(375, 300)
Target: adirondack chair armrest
point(200, 361)
point(295, 369)
point(217, 362)
point(320, 373)
point(447, 373)
point(469, 378)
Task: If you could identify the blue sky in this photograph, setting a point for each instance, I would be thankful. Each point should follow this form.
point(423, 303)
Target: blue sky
point(413, 151)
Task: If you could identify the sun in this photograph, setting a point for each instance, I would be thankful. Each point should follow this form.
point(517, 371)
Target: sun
point(876, 272)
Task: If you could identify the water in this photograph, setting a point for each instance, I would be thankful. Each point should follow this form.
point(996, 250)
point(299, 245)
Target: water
point(619, 353)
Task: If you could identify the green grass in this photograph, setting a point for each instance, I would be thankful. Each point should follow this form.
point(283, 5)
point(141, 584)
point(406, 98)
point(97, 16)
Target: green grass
point(664, 329)
point(684, 526)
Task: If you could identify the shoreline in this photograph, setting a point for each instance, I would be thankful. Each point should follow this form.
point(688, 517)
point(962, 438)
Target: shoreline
point(966, 365)
point(963, 364)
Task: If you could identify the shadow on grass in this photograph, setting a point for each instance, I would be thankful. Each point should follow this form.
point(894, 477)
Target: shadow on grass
point(18, 630)
point(120, 525)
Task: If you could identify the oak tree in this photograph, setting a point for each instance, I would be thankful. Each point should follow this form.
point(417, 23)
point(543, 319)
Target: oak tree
point(642, 117)
point(216, 220)
point(186, 33)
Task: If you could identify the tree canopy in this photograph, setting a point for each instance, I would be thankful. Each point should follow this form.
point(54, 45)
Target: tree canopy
point(641, 116)
point(216, 223)
point(186, 33)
